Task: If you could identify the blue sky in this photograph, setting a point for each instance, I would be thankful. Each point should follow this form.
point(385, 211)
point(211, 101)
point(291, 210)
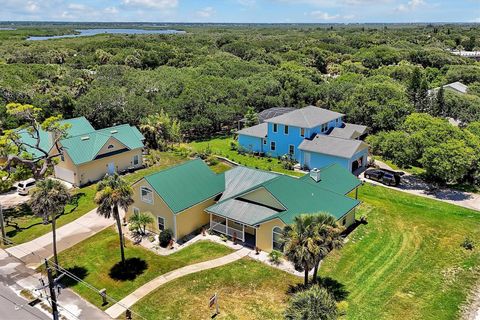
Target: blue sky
point(279, 11)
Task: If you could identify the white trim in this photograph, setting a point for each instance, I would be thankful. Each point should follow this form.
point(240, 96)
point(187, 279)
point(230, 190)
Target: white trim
point(175, 227)
point(135, 210)
point(287, 127)
point(304, 131)
point(141, 195)
point(275, 127)
point(275, 146)
point(291, 153)
point(138, 160)
point(158, 223)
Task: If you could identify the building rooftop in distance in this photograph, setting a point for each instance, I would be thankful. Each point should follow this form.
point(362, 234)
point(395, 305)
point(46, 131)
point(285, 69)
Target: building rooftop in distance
point(307, 117)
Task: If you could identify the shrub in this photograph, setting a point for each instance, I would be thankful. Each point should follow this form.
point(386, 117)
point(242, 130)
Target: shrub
point(275, 256)
point(312, 304)
point(165, 237)
point(468, 244)
point(212, 160)
point(233, 146)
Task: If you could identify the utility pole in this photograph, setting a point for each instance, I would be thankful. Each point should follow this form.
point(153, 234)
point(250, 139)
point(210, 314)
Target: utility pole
point(51, 286)
point(2, 226)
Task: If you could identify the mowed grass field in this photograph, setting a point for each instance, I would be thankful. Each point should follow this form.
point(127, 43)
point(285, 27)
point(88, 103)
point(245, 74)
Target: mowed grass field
point(247, 290)
point(407, 262)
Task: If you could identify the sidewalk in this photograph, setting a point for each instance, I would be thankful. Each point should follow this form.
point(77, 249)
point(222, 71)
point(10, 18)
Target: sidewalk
point(67, 236)
point(117, 309)
point(16, 276)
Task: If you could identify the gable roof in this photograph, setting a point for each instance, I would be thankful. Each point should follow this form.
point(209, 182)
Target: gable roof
point(258, 131)
point(337, 147)
point(240, 179)
point(186, 185)
point(78, 126)
point(296, 195)
point(307, 117)
point(334, 178)
point(84, 148)
point(348, 131)
point(456, 86)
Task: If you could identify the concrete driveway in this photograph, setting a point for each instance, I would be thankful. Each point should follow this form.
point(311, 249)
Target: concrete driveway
point(12, 199)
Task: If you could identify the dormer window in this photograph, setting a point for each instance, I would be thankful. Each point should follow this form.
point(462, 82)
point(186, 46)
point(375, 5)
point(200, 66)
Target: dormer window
point(111, 146)
point(285, 129)
point(275, 127)
point(324, 127)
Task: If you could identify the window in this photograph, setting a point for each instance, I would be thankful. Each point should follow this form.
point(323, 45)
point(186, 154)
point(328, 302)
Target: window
point(344, 221)
point(277, 243)
point(324, 127)
point(275, 127)
point(264, 141)
point(302, 132)
point(272, 146)
point(136, 211)
point(111, 146)
point(161, 223)
point(291, 149)
point(285, 129)
point(135, 160)
point(147, 195)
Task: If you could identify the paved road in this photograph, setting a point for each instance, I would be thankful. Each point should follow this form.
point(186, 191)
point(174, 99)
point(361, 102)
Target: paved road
point(67, 236)
point(14, 307)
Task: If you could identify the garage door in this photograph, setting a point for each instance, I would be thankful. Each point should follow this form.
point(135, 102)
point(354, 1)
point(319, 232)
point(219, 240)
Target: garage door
point(64, 174)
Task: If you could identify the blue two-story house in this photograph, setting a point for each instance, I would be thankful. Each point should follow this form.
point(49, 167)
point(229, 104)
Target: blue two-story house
point(313, 136)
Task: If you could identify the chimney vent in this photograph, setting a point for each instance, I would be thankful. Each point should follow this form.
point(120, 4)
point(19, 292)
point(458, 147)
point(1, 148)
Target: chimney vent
point(85, 138)
point(315, 174)
point(114, 131)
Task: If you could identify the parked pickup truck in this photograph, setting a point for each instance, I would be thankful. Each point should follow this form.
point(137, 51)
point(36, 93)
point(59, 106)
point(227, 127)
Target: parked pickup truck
point(387, 177)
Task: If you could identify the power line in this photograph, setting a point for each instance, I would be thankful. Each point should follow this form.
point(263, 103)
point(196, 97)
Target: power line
point(74, 277)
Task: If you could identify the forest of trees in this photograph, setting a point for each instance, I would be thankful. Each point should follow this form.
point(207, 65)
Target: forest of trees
point(208, 78)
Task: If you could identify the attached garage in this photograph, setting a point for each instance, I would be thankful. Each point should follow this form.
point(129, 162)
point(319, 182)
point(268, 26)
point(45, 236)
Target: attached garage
point(65, 174)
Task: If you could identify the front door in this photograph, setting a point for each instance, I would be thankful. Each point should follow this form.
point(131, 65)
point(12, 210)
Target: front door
point(111, 168)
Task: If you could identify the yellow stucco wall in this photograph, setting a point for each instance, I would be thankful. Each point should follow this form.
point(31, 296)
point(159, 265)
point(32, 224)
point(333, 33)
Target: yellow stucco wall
point(193, 218)
point(96, 169)
point(261, 195)
point(116, 145)
point(264, 234)
point(349, 219)
point(158, 208)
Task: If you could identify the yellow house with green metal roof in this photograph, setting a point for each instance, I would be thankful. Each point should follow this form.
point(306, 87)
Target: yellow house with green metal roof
point(89, 154)
point(249, 205)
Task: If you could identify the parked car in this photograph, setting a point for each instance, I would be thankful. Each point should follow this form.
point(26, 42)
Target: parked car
point(387, 177)
point(23, 187)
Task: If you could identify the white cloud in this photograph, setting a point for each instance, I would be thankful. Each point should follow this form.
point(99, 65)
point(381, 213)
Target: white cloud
point(153, 4)
point(206, 12)
point(410, 5)
point(110, 10)
point(247, 3)
point(323, 15)
point(77, 7)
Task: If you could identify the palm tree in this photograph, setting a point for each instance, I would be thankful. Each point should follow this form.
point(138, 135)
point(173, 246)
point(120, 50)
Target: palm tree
point(329, 236)
point(301, 243)
point(140, 221)
point(48, 200)
point(315, 303)
point(113, 193)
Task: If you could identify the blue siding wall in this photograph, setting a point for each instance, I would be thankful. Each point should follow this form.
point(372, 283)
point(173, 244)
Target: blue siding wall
point(249, 143)
point(318, 160)
point(283, 141)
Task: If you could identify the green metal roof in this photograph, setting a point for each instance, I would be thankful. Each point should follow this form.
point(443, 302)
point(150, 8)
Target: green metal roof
point(84, 148)
point(78, 126)
point(300, 197)
point(187, 184)
point(334, 178)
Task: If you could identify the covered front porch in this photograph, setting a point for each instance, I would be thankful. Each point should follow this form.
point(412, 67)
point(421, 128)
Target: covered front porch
point(233, 229)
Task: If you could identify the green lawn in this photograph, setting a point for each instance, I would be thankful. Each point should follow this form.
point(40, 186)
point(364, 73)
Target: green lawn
point(93, 258)
point(221, 147)
point(247, 290)
point(407, 262)
point(31, 227)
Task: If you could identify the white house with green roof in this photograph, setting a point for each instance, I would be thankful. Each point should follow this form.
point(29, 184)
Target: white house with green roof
point(250, 205)
point(89, 154)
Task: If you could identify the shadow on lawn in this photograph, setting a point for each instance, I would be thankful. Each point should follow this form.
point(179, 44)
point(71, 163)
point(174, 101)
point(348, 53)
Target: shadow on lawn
point(336, 289)
point(24, 210)
point(132, 268)
point(79, 272)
